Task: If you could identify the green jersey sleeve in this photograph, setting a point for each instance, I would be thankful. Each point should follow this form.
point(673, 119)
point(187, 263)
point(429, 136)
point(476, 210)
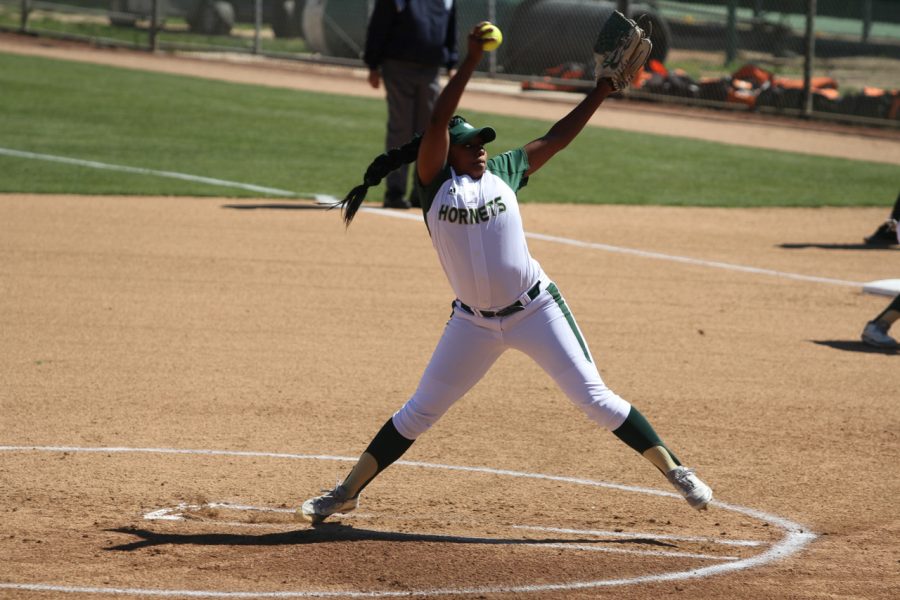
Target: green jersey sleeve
point(510, 167)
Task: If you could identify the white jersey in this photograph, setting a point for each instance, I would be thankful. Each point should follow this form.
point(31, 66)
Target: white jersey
point(477, 230)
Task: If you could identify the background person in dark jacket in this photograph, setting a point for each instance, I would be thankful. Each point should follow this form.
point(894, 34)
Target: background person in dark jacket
point(407, 43)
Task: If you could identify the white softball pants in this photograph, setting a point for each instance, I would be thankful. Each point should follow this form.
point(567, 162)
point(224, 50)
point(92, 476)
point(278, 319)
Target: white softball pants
point(544, 330)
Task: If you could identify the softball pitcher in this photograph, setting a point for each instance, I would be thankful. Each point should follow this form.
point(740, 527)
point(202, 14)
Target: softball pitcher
point(503, 297)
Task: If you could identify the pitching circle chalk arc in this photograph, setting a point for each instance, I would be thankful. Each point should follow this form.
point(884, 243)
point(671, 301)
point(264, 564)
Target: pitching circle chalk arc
point(795, 537)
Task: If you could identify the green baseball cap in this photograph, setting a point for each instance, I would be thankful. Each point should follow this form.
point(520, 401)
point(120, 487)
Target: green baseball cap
point(462, 132)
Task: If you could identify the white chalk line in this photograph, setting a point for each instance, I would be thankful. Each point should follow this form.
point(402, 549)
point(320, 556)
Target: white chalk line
point(795, 539)
point(639, 535)
point(141, 171)
point(654, 255)
point(176, 513)
point(327, 199)
point(662, 553)
point(694, 261)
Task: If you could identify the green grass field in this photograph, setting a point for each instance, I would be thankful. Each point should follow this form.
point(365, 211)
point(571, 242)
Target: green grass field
point(320, 143)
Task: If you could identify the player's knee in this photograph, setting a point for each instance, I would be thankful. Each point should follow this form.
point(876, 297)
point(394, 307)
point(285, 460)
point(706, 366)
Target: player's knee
point(603, 406)
point(411, 424)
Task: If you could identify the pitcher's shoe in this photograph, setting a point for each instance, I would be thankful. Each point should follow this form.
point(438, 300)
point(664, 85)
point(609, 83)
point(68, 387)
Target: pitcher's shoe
point(876, 335)
point(334, 501)
point(697, 493)
point(885, 235)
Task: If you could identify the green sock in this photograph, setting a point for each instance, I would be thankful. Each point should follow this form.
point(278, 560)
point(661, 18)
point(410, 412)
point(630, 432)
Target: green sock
point(637, 432)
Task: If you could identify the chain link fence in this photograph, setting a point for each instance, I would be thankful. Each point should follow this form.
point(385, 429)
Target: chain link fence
point(840, 60)
point(837, 59)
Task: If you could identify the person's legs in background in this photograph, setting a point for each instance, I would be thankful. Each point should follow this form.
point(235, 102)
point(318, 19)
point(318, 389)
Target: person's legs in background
point(411, 92)
point(401, 92)
point(427, 91)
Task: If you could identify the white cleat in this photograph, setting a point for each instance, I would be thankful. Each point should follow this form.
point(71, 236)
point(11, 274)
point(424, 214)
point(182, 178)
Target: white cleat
point(697, 493)
point(877, 336)
point(331, 502)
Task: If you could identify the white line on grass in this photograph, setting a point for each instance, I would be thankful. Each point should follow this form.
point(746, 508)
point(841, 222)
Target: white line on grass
point(140, 171)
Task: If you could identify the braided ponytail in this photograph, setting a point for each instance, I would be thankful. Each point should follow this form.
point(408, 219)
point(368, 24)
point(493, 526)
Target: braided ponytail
point(378, 170)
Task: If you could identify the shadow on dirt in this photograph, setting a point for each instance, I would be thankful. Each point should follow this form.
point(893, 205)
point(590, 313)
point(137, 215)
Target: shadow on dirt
point(860, 246)
point(337, 532)
point(277, 206)
point(850, 346)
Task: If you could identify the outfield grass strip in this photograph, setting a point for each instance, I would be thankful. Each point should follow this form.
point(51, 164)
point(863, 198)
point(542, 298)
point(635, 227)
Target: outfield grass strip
point(290, 139)
point(141, 171)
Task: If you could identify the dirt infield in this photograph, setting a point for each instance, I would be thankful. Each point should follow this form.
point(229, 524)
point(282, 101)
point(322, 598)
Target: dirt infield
point(210, 325)
point(178, 374)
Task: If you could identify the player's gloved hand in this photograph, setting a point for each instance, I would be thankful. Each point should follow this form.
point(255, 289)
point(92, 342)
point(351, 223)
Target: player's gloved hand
point(621, 49)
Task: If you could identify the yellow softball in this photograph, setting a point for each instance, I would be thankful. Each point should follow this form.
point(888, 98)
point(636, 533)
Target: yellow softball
point(491, 36)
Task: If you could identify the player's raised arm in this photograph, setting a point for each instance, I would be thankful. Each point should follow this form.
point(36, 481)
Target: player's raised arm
point(436, 140)
point(564, 131)
point(621, 50)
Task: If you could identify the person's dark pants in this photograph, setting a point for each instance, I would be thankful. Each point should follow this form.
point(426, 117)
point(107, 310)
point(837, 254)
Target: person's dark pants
point(411, 92)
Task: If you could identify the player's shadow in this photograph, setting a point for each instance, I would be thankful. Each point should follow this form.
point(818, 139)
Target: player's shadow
point(338, 532)
point(853, 346)
point(802, 245)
